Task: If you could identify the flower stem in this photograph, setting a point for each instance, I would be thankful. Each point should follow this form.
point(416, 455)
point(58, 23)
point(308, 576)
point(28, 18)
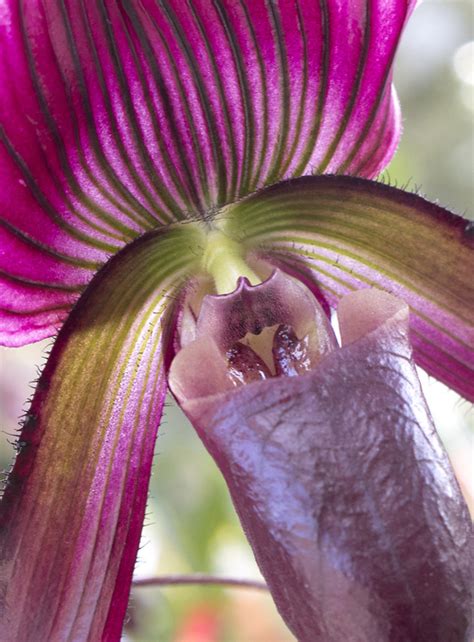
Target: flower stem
point(201, 579)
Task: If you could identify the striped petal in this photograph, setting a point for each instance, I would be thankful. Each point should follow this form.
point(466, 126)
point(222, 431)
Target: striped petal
point(347, 233)
point(73, 507)
point(119, 116)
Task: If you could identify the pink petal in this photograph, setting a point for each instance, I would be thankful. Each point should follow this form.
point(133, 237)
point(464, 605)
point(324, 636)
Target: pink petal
point(343, 488)
point(74, 503)
point(119, 117)
point(349, 233)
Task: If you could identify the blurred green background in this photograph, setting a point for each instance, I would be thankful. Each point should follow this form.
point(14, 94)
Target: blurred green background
point(191, 525)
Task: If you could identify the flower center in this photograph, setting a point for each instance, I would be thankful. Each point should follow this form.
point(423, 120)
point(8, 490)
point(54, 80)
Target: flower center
point(270, 329)
point(289, 355)
point(223, 259)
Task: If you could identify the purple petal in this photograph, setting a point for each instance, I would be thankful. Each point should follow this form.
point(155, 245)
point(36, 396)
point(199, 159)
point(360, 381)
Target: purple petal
point(119, 118)
point(349, 233)
point(343, 488)
point(73, 507)
point(20, 329)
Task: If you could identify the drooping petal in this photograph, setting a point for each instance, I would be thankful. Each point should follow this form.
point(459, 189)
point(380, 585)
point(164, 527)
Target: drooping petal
point(343, 488)
point(73, 507)
point(119, 116)
point(349, 234)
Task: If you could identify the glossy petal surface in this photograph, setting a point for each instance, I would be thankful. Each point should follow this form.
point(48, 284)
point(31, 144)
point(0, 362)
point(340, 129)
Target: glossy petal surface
point(343, 488)
point(73, 507)
point(119, 116)
point(348, 233)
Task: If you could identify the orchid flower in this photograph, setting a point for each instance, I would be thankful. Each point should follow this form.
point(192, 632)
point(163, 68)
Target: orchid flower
point(186, 194)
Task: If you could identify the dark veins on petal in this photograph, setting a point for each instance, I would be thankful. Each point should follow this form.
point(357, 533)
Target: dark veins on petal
point(127, 121)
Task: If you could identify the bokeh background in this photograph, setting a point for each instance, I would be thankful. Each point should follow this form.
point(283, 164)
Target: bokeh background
point(191, 525)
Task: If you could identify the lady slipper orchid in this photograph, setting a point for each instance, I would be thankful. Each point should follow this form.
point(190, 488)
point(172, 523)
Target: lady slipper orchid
point(186, 194)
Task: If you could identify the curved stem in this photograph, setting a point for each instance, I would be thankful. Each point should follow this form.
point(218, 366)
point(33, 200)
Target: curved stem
point(202, 579)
